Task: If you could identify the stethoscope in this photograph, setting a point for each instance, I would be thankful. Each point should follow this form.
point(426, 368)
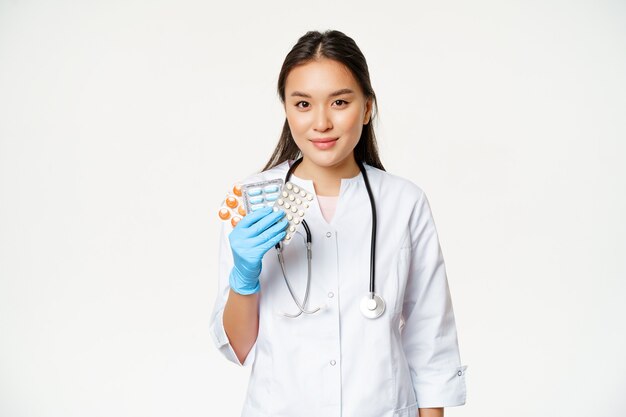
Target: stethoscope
point(372, 305)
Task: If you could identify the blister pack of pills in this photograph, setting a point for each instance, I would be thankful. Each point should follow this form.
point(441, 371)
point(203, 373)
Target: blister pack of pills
point(294, 201)
point(261, 194)
point(232, 207)
point(246, 198)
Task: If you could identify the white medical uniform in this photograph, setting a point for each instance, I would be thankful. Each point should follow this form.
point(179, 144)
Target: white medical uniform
point(337, 363)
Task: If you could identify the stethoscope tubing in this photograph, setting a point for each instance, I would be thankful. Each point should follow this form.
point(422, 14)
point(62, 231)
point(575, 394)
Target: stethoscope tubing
point(378, 302)
point(373, 239)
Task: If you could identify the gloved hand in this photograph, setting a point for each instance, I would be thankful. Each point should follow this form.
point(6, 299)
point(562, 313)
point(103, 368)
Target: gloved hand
point(253, 236)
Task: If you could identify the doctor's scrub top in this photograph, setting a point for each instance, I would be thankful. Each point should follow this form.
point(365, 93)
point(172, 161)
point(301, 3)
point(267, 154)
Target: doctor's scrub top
point(336, 362)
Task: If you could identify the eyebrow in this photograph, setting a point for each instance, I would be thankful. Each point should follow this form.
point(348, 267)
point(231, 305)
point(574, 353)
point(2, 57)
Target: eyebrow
point(333, 94)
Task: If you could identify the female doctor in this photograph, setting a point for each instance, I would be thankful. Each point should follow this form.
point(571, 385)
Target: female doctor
point(339, 346)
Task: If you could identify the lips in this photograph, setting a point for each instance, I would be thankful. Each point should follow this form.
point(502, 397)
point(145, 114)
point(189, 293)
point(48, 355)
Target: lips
point(324, 143)
point(324, 140)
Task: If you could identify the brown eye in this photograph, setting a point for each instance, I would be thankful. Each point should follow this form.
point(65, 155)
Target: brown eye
point(340, 102)
point(302, 104)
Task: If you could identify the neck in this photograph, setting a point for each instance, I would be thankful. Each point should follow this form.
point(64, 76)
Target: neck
point(327, 180)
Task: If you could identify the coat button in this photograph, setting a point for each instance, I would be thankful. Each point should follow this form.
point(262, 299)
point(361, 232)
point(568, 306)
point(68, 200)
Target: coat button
point(331, 294)
point(459, 373)
point(328, 234)
point(333, 362)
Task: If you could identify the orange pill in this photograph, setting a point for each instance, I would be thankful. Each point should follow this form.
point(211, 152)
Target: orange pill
point(232, 202)
point(235, 220)
point(237, 190)
point(224, 214)
point(241, 211)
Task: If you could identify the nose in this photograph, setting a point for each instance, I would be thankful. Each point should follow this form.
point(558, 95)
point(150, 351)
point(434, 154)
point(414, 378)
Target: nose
point(322, 121)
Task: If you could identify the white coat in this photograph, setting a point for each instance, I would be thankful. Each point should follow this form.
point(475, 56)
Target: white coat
point(337, 363)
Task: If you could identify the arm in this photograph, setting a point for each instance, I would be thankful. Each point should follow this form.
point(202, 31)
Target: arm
point(431, 412)
point(235, 319)
point(241, 322)
point(221, 314)
point(429, 335)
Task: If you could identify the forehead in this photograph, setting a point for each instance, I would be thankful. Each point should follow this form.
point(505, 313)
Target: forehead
point(319, 77)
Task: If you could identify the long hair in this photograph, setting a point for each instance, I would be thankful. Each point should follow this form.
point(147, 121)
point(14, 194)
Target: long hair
point(335, 45)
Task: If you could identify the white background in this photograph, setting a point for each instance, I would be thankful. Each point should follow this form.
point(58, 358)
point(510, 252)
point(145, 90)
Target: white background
point(123, 123)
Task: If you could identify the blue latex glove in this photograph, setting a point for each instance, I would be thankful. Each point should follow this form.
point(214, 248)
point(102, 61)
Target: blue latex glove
point(253, 236)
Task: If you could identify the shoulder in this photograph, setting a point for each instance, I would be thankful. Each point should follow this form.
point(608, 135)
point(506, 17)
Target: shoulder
point(394, 185)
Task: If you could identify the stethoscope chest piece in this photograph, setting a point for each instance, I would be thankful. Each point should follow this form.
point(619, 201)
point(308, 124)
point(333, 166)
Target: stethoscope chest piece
point(372, 307)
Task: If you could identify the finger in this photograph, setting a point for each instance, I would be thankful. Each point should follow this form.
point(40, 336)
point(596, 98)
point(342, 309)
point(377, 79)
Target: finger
point(269, 234)
point(262, 225)
point(273, 241)
point(253, 217)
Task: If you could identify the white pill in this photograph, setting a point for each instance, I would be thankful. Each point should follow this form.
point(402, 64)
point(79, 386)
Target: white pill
point(296, 190)
point(280, 202)
point(296, 221)
point(298, 201)
point(309, 197)
point(302, 193)
point(292, 229)
point(287, 237)
point(301, 213)
point(289, 217)
point(294, 209)
point(291, 197)
point(289, 186)
point(306, 206)
point(284, 194)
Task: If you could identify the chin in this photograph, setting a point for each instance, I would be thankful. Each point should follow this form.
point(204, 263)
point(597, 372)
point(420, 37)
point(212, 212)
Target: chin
point(327, 160)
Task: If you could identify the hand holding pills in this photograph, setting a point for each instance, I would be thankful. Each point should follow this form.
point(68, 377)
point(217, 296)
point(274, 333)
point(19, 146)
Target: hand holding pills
point(254, 235)
point(249, 198)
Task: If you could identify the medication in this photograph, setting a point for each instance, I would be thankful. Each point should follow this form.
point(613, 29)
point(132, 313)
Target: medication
point(232, 208)
point(246, 198)
point(231, 202)
point(291, 203)
point(260, 194)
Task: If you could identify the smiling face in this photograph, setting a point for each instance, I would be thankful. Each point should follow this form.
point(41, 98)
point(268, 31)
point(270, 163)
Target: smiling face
point(326, 110)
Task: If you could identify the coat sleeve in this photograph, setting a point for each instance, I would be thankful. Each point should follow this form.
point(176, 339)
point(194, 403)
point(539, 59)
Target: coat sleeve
point(429, 334)
point(216, 325)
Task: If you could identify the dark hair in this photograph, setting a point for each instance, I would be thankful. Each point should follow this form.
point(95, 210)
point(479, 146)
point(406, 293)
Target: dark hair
point(337, 46)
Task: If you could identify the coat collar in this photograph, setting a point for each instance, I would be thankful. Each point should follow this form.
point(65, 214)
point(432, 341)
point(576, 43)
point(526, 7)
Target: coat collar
point(282, 168)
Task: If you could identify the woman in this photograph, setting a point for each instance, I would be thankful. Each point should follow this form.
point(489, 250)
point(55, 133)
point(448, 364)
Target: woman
point(337, 362)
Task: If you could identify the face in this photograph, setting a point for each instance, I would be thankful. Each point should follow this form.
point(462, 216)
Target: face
point(326, 110)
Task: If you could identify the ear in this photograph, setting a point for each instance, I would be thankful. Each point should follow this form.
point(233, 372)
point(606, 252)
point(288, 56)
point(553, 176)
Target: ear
point(368, 111)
